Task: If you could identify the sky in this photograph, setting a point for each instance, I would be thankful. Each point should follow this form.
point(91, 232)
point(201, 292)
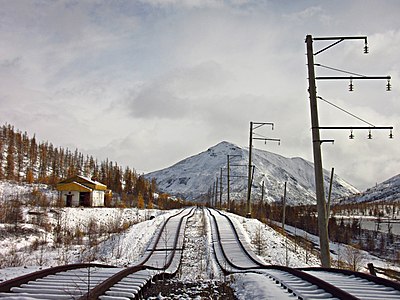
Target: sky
point(148, 83)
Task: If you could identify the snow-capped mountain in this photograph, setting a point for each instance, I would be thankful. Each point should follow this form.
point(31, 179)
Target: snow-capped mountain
point(193, 178)
point(388, 190)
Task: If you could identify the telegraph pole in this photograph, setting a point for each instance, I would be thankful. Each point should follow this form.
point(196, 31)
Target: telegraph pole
point(248, 207)
point(319, 177)
point(262, 191)
point(228, 208)
point(212, 196)
point(284, 208)
point(220, 190)
point(216, 193)
point(250, 166)
point(228, 157)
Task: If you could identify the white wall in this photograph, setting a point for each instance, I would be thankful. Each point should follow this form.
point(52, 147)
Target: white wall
point(97, 198)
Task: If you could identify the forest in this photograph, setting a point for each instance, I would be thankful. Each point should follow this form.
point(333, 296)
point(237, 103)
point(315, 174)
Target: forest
point(23, 159)
point(344, 223)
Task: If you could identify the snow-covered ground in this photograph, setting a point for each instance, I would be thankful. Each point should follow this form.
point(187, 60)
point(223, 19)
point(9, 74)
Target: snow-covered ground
point(36, 243)
point(272, 246)
point(197, 264)
point(339, 251)
point(192, 177)
point(115, 248)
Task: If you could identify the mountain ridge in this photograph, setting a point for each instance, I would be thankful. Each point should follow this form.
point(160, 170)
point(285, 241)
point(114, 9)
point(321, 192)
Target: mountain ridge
point(388, 190)
point(193, 177)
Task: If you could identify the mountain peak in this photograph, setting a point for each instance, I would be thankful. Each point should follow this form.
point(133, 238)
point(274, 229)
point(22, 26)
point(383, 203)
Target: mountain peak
point(225, 146)
point(193, 178)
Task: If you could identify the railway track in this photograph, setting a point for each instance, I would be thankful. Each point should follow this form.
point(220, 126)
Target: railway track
point(96, 281)
point(162, 259)
point(234, 255)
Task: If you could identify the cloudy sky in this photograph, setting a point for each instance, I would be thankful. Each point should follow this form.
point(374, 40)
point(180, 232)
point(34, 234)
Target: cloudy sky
point(147, 83)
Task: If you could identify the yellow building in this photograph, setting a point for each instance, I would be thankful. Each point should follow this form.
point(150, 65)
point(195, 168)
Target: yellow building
point(82, 191)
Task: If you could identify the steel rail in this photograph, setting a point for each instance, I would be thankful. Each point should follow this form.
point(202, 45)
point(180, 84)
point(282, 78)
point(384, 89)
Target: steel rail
point(100, 289)
point(329, 288)
point(374, 279)
point(7, 285)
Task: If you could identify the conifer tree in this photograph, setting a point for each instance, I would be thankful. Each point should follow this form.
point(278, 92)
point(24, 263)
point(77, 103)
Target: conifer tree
point(20, 155)
point(140, 201)
point(23, 158)
point(1, 155)
point(10, 175)
point(33, 150)
point(29, 176)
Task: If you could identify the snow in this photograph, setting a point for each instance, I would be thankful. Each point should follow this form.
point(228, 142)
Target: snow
point(198, 265)
point(276, 249)
point(338, 251)
point(9, 189)
point(126, 247)
point(193, 177)
point(253, 286)
point(118, 249)
point(389, 190)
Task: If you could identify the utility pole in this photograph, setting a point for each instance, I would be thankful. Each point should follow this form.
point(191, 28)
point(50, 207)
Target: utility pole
point(254, 126)
point(284, 208)
point(328, 205)
point(228, 208)
point(212, 195)
point(220, 190)
point(248, 208)
point(229, 157)
point(319, 177)
point(216, 193)
point(262, 192)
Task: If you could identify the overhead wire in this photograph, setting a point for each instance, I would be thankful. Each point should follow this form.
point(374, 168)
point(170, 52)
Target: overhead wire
point(339, 70)
point(345, 111)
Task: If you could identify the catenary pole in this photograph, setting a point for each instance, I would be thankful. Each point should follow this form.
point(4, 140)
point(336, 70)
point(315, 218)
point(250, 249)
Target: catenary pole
point(228, 186)
point(284, 207)
point(220, 189)
point(319, 183)
point(248, 206)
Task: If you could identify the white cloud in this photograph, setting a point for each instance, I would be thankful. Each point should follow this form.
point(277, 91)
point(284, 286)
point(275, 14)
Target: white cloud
point(151, 82)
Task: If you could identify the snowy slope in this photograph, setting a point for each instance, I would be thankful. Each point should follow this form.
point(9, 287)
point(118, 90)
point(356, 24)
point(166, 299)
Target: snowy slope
point(388, 190)
point(193, 177)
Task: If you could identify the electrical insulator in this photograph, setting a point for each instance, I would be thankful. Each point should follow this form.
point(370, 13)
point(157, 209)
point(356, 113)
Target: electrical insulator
point(351, 136)
point(366, 49)
point(351, 85)
point(388, 86)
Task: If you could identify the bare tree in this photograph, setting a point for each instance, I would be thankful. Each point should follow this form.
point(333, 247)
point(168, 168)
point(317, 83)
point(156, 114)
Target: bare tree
point(258, 240)
point(353, 258)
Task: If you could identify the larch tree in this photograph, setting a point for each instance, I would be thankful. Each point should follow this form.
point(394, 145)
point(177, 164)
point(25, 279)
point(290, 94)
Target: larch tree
point(1, 155)
point(140, 201)
point(10, 174)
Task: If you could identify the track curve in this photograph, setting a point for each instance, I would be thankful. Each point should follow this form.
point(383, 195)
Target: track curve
point(233, 255)
point(96, 281)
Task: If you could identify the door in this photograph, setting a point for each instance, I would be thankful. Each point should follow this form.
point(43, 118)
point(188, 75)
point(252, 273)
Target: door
point(84, 199)
point(68, 202)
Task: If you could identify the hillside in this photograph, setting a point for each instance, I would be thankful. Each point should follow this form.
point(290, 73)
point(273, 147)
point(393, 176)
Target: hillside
point(389, 190)
point(23, 159)
point(193, 177)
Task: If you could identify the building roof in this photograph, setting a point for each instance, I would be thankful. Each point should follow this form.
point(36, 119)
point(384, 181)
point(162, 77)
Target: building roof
point(82, 181)
point(73, 186)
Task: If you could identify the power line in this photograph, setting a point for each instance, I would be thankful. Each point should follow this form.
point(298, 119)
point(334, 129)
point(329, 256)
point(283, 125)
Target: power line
point(345, 111)
point(339, 70)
